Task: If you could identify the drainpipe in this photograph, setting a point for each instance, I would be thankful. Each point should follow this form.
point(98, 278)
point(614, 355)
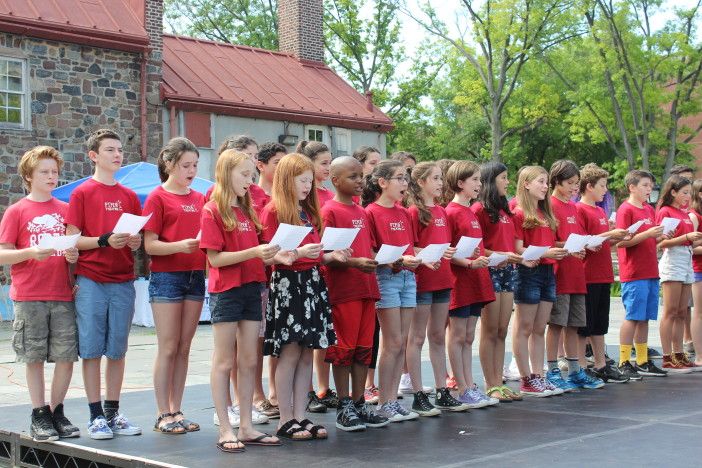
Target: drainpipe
point(144, 126)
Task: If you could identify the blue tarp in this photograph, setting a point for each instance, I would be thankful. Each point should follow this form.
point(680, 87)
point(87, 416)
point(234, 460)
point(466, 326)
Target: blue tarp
point(141, 177)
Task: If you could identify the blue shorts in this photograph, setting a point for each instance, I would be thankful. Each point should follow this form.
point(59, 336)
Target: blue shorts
point(640, 299)
point(502, 278)
point(177, 286)
point(396, 289)
point(236, 304)
point(442, 296)
point(472, 310)
point(698, 276)
point(534, 285)
point(104, 313)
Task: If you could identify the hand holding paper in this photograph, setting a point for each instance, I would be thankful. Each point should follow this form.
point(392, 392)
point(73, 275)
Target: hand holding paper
point(635, 227)
point(534, 252)
point(130, 224)
point(58, 242)
point(338, 238)
point(575, 243)
point(389, 253)
point(669, 225)
point(432, 253)
point(466, 247)
point(289, 237)
point(495, 259)
point(595, 241)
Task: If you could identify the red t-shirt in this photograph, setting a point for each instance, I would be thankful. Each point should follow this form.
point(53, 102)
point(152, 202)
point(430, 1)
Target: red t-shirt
point(350, 284)
point(598, 265)
point(684, 227)
point(499, 236)
point(512, 204)
point(540, 235)
point(391, 226)
point(469, 286)
point(437, 231)
point(174, 218)
point(216, 237)
point(269, 220)
point(638, 261)
point(95, 208)
point(697, 259)
point(324, 195)
point(570, 271)
point(23, 225)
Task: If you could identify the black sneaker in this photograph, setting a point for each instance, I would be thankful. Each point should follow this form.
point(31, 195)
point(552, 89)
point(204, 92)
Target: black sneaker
point(422, 406)
point(315, 405)
point(63, 426)
point(628, 370)
point(42, 427)
point(446, 402)
point(330, 399)
point(609, 361)
point(588, 353)
point(347, 418)
point(611, 375)
point(369, 417)
point(649, 368)
point(652, 354)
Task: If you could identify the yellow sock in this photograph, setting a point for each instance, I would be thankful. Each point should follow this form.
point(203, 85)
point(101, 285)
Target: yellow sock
point(641, 353)
point(624, 353)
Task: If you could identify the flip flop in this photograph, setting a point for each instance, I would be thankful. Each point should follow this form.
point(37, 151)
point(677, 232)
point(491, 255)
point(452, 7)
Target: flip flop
point(515, 396)
point(259, 441)
point(221, 446)
point(314, 429)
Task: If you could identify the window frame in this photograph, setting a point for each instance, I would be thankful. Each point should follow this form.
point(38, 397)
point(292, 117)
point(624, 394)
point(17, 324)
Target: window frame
point(25, 112)
point(317, 128)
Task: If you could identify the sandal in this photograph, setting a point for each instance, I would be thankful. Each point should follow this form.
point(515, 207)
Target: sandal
point(314, 429)
point(500, 394)
point(168, 428)
point(259, 441)
point(187, 424)
point(289, 432)
point(515, 396)
point(223, 448)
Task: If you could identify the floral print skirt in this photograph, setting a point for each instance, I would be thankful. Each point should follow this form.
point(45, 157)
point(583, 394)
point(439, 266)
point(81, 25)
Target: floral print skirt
point(298, 311)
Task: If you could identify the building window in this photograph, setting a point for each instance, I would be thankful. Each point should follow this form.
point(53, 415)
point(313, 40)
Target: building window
point(13, 93)
point(343, 142)
point(315, 134)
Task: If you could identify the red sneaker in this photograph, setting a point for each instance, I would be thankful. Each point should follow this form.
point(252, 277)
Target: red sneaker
point(371, 395)
point(451, 382)
point(672, 366)
point(532, 386)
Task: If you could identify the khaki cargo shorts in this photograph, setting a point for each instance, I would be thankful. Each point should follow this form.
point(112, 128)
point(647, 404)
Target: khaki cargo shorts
point(45, 331)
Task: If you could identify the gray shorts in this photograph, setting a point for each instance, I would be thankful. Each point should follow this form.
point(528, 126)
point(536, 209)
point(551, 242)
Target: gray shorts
point(569, 311)
point(676, 265)
point(45, 331)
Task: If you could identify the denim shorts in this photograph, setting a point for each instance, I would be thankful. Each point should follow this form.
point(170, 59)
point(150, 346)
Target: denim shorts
point(104, 313)
point(502, 278)
point(177, 286)
point(534, 285)
point(640, 299)
point(472, 310)
point(396, 289)
point(698, 276)
point(442, 296)
point(236, 304)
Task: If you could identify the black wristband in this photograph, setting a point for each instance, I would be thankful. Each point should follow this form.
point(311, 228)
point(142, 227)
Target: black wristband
point(103, 240)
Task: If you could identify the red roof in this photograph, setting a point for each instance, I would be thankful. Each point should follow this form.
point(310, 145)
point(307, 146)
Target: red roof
point(249, 82)
point(111, 24)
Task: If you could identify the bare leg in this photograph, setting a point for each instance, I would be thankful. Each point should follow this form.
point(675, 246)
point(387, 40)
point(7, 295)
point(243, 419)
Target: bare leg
point(322, 370)
point(224, 335)
point(63, 371)
point(405, 320)
point(671, 300)
point(91, 379)
point(272, 366)
point(436, 332)
point(489, 324)
point(696, 321)
point(189, 320)
point(390, 353)
point(524, 325)
point(553, 341)
point(35, 383)
point(536, 351)
point(358, 375)
point(417, 334)
point(679, 318)
point(114, 376)
point(456, 341)
point(168, 321)
point(468, 351)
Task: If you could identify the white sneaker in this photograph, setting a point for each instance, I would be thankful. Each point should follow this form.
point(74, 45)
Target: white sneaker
point(258, 418)
point(232, 413)
point(405, 387)
point(511, 372)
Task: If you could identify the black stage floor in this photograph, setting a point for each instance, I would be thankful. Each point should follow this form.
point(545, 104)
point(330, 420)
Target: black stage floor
point(657, 422)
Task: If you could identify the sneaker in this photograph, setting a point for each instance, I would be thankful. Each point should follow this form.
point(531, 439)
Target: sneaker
point(649, 368)
point(63, 426)
point(315, 405)
point(609, 361)
point(673, 366)
point(388, 411)
point(610, 374)
point(268, 409)
point(628, 370)
point(589, 356)
point(652, 354)
point(99, 429)
point(369, 417)
point(511, 372)
point(406, 415)
point(555, 378)
point(42, 427)
point(422, 406)
point(471, 400)
point(405, 387)
point(532, 386)
point(682, 357)
point(258, 418)
point(446, 402)
point(489, 401)
point(347, 418)
point(562, 364)
point(582, 379)
point(550, 388)
point(120, 425)
point(371, 395)
point(232, 415)
point(689, 348)
point(330, 399)
point(451, 383)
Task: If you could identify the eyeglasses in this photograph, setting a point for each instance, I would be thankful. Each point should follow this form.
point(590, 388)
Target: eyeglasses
point(401, 179)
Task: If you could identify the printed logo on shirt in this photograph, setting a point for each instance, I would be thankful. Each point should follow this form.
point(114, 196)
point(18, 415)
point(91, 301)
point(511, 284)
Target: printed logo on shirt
point(245, 226)
point(571, 220)
point(397, 226)
point(189, 208)
point(439, 222)
point(504, 219)
point(474, 224)
point(113, 206)
point(687, 221)
point(603, 222)
point(45, 226)
point(647, 221)
point(358, 223)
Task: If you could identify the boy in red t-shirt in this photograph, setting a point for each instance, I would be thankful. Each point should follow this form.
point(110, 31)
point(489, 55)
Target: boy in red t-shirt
point(45, 324)
point(105, 279)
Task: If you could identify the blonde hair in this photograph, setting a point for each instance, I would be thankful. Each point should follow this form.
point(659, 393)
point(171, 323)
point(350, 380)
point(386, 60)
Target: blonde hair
point(223, 192)
point(421, 171)
point(530, 208)
point(30, 161)
point(284, 194)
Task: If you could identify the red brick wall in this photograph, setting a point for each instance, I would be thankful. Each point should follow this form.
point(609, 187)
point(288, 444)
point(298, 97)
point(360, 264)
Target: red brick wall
point(300, 28)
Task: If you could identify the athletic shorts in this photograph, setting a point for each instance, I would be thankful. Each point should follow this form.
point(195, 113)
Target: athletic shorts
point(354, 324)
point(597, 303)
point(640, 299)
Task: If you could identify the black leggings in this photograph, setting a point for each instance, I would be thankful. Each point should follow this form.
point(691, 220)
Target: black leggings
point(376, 344)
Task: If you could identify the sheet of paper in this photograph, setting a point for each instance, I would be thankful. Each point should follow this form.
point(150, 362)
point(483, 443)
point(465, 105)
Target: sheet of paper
point(534, 252)
point(496, 258)
point(575, 243)
point(613, 216)
point(635, 227)
point(389, 253)
point(130, 224)
point(466, 247)
point(58, 242)
point(595, 241)
point(338, 238)
point(199, 235)
point(432, 253)
point(289, 237)
point(669, 224)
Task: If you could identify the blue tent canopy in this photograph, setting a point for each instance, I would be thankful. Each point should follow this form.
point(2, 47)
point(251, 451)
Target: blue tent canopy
point(141, 177)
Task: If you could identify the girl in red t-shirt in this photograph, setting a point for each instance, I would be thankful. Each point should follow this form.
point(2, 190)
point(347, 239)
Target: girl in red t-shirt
point(230, 230)
point(696, 320)
point(177, 281)
point(676, 273)
point(535, 283)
